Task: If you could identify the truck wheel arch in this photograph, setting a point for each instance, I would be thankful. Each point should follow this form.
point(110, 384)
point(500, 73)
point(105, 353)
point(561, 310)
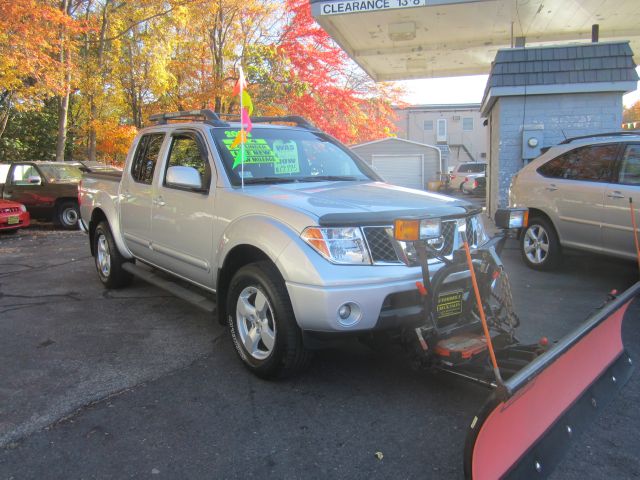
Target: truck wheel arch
point(238, 257)
point(98, 215)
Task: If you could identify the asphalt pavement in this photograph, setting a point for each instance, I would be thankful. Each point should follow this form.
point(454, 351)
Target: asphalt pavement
point(135, 383)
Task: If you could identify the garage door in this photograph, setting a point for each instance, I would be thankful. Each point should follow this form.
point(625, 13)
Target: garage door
point(405, 170)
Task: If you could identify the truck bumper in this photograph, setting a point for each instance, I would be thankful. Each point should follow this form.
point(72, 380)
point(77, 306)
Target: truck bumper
point(395, 303)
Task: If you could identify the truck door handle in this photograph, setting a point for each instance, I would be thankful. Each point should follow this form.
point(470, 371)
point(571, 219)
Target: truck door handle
point(160, 202)
point(551, 188)
point(615, 194)
point(126, 196)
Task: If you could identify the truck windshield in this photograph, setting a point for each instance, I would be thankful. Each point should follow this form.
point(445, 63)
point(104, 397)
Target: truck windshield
point(61, 173)
point(278, 155)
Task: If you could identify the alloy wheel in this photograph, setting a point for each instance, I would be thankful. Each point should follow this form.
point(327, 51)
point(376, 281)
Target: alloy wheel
point(536, 244)
point(103, 256)
point(255, 323)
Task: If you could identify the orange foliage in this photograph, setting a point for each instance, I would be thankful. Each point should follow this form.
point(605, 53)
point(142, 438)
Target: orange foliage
point(113, 141)
point(30, 47)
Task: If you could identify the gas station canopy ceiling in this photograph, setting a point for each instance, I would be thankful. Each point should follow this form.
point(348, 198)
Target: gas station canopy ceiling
point(403, 39)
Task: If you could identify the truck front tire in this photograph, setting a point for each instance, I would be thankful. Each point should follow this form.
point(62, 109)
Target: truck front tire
point(262, 323)
point(108, 259)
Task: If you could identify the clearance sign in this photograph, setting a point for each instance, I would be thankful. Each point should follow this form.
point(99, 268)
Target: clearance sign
point(339, 7)
point(354, 6)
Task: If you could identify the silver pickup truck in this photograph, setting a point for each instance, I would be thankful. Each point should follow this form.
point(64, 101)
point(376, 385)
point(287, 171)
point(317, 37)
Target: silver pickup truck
point(291, 244)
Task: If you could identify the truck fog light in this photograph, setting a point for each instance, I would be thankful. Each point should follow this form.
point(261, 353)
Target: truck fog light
point(344, 311)
point(349, 314)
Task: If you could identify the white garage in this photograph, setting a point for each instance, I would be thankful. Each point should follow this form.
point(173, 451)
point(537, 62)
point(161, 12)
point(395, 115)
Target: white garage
point(402, 162)
point(403, 170)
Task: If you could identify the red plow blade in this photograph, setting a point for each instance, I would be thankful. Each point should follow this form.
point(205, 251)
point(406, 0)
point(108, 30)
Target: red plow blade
point(524, 429)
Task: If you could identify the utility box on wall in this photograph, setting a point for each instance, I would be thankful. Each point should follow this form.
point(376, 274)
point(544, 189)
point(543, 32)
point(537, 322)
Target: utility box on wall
point(532, 141)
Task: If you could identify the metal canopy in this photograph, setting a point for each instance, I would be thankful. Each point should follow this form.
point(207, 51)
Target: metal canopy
point(403, 39)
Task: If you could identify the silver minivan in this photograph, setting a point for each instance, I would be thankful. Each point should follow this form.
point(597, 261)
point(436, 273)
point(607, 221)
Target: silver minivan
point(578, 197)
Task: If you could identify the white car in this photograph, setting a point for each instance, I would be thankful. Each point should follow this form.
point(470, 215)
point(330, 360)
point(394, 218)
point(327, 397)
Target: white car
point(465, 173)
point(578, 196)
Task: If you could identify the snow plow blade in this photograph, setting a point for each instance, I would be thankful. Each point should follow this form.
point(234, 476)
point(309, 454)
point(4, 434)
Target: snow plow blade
point(525, 427)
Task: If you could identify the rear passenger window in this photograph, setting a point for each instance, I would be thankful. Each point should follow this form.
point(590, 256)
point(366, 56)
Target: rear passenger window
point(592, 163)
point(630, 168)
point(146, 157)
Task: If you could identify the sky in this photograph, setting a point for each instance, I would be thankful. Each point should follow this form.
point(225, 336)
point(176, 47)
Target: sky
point(464, 90)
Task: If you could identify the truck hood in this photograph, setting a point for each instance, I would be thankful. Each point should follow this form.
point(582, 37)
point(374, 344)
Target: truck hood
point(359, 203)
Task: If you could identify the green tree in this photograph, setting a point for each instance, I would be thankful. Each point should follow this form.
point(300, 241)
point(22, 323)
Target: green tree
point(31, 134)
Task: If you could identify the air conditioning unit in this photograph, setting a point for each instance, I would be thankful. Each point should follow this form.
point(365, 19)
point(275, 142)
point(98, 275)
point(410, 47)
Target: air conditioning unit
point(456, 118)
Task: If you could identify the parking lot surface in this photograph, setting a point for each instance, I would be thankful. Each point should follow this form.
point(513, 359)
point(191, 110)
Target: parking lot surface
point(136, 383)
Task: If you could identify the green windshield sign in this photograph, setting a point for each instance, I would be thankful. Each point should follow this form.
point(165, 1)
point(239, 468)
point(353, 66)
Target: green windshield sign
point(283, 156)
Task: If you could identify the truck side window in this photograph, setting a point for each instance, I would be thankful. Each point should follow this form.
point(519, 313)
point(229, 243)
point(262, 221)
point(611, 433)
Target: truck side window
point(146, 157)
point(22, 173)
point(185, 152)
point(630, 169)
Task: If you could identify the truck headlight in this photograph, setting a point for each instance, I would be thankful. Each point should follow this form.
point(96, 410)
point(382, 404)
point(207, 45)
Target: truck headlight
point(482, 234)
point(344, 245)
point(23, 208)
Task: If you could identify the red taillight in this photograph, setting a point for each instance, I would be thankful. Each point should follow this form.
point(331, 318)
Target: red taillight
point(475, 184)
point(466, 179)
point(452, 177)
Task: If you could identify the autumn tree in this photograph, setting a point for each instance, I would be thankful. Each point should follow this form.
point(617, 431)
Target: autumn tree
point(30, 66)
point(336, 95)
point(110, 63)
point(632, 113)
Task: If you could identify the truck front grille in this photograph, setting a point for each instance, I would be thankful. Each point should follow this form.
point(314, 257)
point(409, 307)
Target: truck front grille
point(10, 210)
point(380, 240)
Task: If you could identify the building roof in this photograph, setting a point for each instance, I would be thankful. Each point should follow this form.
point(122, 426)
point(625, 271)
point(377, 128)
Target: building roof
point(395, 139)
point(440, 107)
point(395, 40)
point(592, 67)
point(593, 62)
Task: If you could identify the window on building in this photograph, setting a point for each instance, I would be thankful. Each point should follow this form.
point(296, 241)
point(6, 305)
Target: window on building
point(428, 125)
point(467, 124)
point(442, 130)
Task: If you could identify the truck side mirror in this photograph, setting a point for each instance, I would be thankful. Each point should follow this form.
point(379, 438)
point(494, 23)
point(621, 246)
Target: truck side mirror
point(183, 177)
point(34, 180)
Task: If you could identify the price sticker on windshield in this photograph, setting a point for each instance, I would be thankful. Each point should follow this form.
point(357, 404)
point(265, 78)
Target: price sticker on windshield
point(256, 151)
point(287, 155)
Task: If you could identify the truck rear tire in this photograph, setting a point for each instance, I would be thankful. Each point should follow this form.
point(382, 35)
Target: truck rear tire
point(108, 259)
point(262, 323)
point(68, 215)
